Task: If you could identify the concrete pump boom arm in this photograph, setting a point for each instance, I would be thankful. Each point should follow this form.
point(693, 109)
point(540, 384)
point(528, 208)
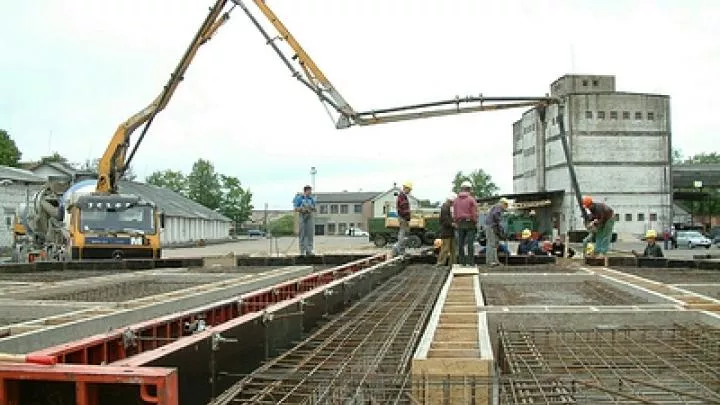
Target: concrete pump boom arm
point(113, 162)
point(313, 78)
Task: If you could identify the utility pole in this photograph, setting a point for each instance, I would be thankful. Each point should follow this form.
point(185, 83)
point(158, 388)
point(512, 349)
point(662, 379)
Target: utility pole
point(265, 228)
point(313, 172)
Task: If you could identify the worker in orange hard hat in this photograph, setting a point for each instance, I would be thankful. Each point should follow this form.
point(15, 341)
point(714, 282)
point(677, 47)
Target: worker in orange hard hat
point(602, 220)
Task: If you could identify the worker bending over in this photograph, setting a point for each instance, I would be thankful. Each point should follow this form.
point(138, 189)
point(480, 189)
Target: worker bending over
point(603, 220)
point(465, 215)
point(528, 245)
point(494, 231)
point(403, 212)
point(652, 249)
point(304, 205)
point(447, 233)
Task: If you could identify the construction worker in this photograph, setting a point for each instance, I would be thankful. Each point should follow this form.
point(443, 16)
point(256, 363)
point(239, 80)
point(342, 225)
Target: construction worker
point(403, 212)
point(447, 233)
point(465, 216)
point(304, 205)
point(494, 231)
point(528, 245)
point(652, 249)
point(603, 220)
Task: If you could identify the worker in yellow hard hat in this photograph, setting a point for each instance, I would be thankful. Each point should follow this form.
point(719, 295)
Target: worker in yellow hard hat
point(403, 213)
point(652, 249)
point(528, 245)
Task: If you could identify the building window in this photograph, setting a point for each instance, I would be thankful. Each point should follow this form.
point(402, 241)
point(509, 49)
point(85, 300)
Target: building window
point(342, 228)
point(585, 82)
point(651, 116)
point(626, 115)
point(595, 83)
point(357, 208)
point(385, 209)
point(638, 115)
point(323, 208)
point(617, 217)
point(344, 209)
point(601, 115)
point(588, 115)
point(628, 217)
point(8, 222)
point(334, 209)
point(613, 115)
point(331, 229)
point(641, 217)
point(653, 217)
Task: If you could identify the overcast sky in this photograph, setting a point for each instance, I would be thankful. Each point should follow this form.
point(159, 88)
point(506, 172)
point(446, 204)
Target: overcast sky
point(72, 70)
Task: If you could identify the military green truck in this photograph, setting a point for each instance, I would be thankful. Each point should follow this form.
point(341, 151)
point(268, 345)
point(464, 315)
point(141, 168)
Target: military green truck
point(424, 228)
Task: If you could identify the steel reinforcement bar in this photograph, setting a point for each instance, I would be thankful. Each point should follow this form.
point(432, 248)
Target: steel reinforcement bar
point(149, 335)
point(360, 356)
point(190, 363)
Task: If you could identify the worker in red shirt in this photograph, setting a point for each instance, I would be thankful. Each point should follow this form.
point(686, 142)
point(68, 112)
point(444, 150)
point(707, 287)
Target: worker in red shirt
point(403, 213)
point(465, 216)
point(603, 220)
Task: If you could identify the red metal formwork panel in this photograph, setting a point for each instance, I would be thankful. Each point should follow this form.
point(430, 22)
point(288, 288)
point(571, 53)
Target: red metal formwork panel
point(149, 335)
point(153, 385)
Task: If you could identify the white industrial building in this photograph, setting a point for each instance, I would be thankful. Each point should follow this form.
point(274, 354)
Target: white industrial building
point(16, 186)
point(620, 146)
point(185, 220)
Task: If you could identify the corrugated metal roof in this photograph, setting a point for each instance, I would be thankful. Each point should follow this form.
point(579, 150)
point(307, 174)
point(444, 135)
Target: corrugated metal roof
point(21, 175)
point(171, 202)
point(346, 197)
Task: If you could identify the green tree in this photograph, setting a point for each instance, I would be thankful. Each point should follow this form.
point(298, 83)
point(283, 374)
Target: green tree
point(235, 202)
point(283, 226)
point(483, 185)
point(169, 179)
point(428, 204)
point(55, 157)
point(677, 156)
point(9, 153)
point(204, 185)
point(704, 158)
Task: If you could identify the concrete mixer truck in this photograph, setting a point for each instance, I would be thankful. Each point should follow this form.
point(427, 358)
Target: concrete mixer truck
point(74, 222)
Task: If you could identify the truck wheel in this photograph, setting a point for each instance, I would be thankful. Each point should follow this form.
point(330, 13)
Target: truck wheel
point(380, 241)
point(414, 241)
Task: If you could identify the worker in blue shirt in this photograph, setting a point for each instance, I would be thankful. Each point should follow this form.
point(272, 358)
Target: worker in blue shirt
point(304, 205)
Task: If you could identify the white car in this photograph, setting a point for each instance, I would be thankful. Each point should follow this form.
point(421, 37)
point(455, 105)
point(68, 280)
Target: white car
point(692, 239)
point(356, 232)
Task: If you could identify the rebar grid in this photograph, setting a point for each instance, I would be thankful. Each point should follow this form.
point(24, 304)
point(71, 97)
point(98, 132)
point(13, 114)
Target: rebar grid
point(619, 365)
point(360, 356)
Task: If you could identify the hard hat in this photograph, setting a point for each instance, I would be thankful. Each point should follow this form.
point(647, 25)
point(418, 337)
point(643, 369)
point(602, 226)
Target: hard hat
point(504, 201)
point(407, 184)
point(587, 201)
point(466, 184)
point(590, 249)
point(650, 234)
point(451, 197)
point(437, 243)
point(526, 234)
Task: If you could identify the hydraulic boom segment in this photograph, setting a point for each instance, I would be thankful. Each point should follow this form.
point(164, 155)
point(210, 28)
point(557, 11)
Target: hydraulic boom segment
point(113, 162)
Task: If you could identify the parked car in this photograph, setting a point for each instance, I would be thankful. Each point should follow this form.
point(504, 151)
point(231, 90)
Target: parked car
point(256, 232)
point(356, 232)
point(692, 239)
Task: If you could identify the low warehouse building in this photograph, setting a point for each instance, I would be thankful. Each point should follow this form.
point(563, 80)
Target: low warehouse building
point(185, 220)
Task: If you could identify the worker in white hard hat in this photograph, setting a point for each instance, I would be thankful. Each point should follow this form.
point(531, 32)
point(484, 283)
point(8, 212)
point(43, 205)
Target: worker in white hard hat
point(403, 212)
point(494, 231)
point(652, 249)
point(447, 233)
point(465, 215)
